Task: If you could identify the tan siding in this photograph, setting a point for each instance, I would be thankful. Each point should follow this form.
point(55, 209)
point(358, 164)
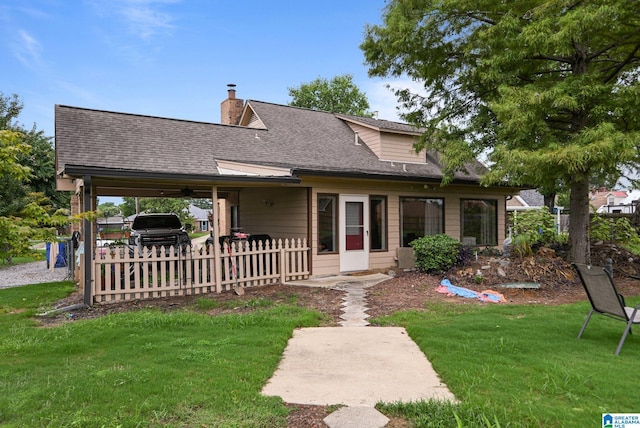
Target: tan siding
point(370, 137)
point(399, 148)
point(326, 264)
point(286, 217)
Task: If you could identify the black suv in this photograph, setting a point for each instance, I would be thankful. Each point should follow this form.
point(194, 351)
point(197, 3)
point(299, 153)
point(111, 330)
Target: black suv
point(159, 230)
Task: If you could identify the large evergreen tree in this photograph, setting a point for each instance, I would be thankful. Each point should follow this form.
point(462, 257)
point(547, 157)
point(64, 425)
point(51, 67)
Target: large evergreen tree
point(549, 89)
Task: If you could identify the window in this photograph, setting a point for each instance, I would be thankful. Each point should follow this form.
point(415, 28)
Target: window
point(420, 217)
point(354, 225)
point(378, 222)
point(327, 223)
point(479, 221)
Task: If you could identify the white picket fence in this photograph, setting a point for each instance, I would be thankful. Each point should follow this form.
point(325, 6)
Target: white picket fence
point(124, 273)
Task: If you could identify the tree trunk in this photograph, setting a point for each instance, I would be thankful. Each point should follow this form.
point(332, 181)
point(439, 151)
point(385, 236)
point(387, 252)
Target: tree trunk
point(579, 220)
point(550, 201)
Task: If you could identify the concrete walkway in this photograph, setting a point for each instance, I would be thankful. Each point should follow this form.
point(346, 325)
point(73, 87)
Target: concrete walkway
point(354, 365)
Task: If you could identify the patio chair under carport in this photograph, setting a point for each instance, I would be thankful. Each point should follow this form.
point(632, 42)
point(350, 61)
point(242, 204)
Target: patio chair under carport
point(605, 299)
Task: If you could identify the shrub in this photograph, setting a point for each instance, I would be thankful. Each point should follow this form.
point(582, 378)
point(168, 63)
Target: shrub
point(534, 226)
point(522, 247)
point(619, 231)
point(436, 253)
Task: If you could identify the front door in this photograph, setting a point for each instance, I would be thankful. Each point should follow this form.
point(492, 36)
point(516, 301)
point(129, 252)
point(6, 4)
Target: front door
point(354, 232)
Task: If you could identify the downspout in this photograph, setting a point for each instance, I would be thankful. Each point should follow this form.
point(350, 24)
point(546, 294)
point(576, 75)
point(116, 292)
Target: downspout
point(88, 240)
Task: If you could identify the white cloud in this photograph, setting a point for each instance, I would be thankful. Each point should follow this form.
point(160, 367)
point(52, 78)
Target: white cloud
point(144, 18)
point(27, 49)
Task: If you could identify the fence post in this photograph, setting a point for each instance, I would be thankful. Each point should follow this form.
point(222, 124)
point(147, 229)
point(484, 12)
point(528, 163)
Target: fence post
point(283, 264)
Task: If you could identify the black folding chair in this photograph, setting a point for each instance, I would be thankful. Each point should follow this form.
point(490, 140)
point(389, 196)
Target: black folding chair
point(605, 299)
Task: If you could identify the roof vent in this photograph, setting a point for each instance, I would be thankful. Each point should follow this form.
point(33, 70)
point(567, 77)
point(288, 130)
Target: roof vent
point(232, 90)
point(355, 134)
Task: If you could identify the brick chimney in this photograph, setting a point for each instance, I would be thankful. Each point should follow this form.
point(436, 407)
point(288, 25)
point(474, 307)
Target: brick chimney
point(231, 108)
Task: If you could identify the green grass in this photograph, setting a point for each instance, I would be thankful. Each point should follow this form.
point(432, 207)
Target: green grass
point(31, 299)
point(139, 369)
point(508, 365)
point(194, 235)
point(37, 255)
point(522, 366)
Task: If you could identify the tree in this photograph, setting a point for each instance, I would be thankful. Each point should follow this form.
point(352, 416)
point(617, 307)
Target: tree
point(108, 209)
point(13, 174)
point(33, 218)
point(339, 95)
point(39, 160)
point(27, 185)
point(549, 90)
point(42, 161)
point(158, 205)
point(204, 203)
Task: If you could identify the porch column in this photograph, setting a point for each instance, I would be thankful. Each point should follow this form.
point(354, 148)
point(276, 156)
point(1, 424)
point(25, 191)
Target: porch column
point(88, 240)
point(217, 256)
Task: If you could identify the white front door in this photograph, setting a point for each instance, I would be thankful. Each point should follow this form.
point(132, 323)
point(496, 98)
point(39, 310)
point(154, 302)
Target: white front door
point(354, 232)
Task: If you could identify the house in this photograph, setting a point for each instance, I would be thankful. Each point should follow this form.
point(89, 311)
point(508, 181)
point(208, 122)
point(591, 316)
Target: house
point(352, 188)
point(201, 218)
point(526, 199)
point(605, 197)
point(531, 199)
point(617, 204)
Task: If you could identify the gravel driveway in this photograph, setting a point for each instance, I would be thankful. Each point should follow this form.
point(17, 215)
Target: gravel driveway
point(30, 273)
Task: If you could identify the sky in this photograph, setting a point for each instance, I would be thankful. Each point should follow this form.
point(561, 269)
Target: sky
point(174, 58)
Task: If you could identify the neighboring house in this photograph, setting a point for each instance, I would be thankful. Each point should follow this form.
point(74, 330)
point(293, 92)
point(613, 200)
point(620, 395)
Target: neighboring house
point(620, 205)
point(201, 218)
point(352, 187)
point(602, 197)
point(528, 199)
point(531, 199)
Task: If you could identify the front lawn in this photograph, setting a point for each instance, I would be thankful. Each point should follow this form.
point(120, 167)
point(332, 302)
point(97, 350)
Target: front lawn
point(509, 365)
point(145, 368)
point(522, 365)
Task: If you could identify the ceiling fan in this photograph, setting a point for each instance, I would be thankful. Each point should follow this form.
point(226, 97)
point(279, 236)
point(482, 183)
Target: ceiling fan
point(187, 192)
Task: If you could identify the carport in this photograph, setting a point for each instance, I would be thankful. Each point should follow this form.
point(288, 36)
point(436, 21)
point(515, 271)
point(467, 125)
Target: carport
point(201, 270)
point(100, 153)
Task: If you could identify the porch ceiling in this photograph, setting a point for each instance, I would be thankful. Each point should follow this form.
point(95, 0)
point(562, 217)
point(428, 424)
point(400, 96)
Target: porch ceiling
point(110, 182)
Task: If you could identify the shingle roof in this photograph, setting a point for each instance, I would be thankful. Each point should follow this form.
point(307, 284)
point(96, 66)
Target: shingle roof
point(381, 124)
point(300, 139)
point(532, 197)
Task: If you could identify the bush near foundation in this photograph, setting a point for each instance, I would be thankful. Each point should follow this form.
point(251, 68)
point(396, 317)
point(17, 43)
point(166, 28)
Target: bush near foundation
point(436, 253)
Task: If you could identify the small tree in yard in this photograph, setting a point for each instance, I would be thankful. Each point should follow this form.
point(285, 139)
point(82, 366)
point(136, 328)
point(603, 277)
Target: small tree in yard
point(34, 219)
point(436, 253)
